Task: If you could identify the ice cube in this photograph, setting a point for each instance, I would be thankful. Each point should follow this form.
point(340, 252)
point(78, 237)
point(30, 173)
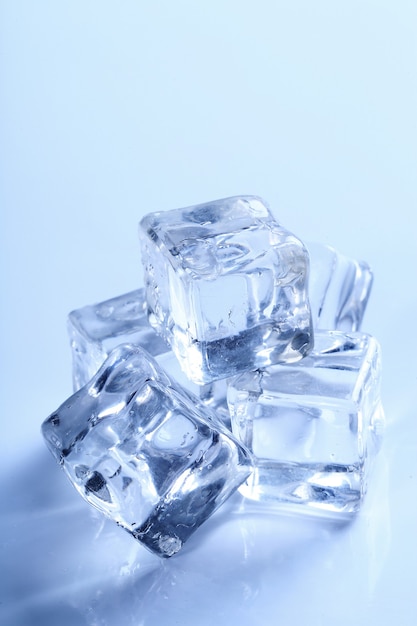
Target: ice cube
point(339, 288)
point(144, 453)
point(96, 329)
point(314, 426)
point(226, 286)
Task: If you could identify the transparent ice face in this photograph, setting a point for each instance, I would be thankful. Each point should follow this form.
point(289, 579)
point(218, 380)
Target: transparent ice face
point(95, 330)
point(313, 426)
point(144, 453)
point(339, 289)
point(226, 286)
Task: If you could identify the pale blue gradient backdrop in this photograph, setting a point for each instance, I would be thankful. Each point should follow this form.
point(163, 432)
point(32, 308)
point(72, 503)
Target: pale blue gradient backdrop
point(110, 110)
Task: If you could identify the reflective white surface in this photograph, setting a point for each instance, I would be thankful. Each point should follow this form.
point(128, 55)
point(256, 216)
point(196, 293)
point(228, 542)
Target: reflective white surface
point(110, 111)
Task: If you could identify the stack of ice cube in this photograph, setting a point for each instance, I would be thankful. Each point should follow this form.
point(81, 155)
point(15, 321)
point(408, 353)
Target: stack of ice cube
point(240, 365)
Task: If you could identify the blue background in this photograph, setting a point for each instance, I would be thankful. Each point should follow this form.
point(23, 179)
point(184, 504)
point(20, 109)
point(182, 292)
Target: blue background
point(110, 110)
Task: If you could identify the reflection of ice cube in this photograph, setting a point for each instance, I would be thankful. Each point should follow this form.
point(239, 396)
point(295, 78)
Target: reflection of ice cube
point(226, 286)
point(144, 453)
point(313, 426)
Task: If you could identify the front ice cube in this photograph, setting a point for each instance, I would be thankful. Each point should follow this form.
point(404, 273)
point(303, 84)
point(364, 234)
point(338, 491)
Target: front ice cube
point(313, 426)
point(144, 453)
point(226, 286)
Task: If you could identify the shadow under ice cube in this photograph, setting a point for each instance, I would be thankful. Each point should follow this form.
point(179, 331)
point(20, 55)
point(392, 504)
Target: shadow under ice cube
point(226, 286)
point(145, 453)
point(313, 426)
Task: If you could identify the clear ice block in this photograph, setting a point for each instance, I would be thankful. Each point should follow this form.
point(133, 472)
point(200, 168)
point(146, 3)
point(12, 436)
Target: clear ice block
point(226, 286)
point(313, 426)
point(339, 289)
point(95, 330)
point(144, 453)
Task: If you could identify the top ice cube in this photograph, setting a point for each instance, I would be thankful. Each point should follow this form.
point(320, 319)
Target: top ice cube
point(226, 286)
